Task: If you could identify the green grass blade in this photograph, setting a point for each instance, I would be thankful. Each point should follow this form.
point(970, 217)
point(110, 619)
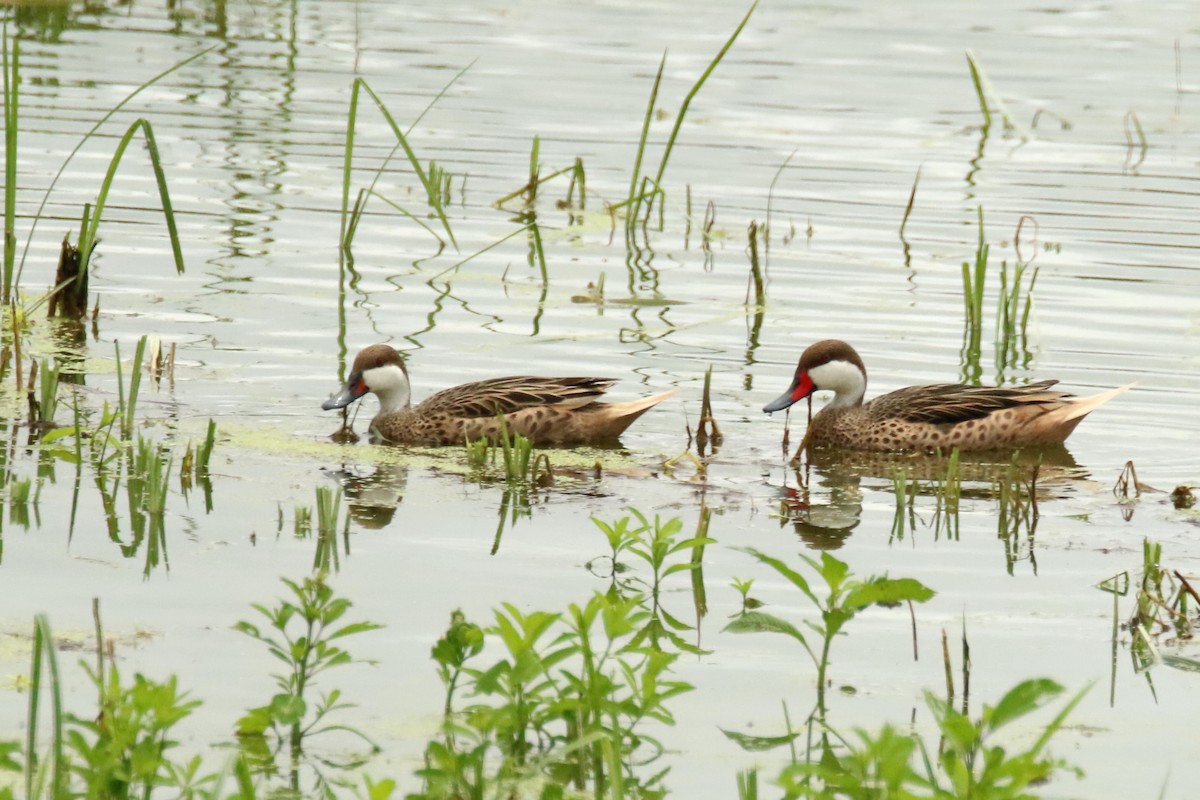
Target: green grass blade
point(11, 92)
point(980, 95)
point(634, 200)
point(347, 231)
point(43, 655)
point(361, 85)
point(662, 167)
point(46, 197)
point(87, 237)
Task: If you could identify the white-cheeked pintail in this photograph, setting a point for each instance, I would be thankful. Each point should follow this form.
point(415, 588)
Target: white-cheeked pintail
point(928, 418)
point(554, 412)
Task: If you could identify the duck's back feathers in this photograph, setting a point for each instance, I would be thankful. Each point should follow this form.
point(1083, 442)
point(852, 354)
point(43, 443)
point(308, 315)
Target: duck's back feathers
point(509, 395)
point(950, 403)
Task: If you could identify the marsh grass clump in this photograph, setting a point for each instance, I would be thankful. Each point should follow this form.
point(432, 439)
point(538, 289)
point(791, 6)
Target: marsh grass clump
point(19, 490)
point(302, 521)
point(515, 454)
point(644, 191)
point(147, 477)
point(1014, 303)
point(1166, 605)
point(45, 405)
point(127, 397)
point(905, 491)
point(194, 468)
point(1017, 511)
point(434, 181)
point(124, 748)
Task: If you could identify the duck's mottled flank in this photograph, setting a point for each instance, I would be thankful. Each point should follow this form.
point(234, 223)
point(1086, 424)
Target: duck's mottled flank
point(928, 418)
point(549, 411)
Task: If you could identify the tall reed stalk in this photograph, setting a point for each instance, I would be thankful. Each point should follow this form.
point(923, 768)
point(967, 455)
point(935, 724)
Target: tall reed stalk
point(12, 74)
point(974, 282)
point(644, 189)
point(432, 191)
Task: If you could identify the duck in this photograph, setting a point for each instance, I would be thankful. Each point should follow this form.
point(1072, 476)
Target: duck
point(932, 418)
point(551, 412)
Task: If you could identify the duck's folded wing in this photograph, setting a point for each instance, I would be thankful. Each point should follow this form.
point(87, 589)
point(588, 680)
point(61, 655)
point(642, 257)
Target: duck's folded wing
point(507, 395)
point(949, 403)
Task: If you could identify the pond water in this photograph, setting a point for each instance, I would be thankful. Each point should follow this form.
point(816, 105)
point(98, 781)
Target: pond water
point(837, 105)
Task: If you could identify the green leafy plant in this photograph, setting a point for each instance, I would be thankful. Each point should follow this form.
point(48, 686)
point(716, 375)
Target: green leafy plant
point(889, 763)
point(302, 632)
point(657, 544)
point(845, 597)
point(567, 704)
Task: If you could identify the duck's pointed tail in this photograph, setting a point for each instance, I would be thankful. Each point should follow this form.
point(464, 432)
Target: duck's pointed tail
point(619, 416)
point(1077, 408)
point(1056, 425)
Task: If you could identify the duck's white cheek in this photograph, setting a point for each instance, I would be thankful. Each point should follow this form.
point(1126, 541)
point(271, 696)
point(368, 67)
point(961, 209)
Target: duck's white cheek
point(841, 377)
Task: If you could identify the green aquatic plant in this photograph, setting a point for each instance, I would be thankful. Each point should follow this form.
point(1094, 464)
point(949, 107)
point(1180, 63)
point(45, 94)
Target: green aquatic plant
point(522, 464)
point(1014, 303)
point(432, 185)
point(987, 96)
point(659, 546)
point(1165, 604)
point(905, 491)
point(46, 404)
point(1017, 509)
point(974, 283)
point(644, 190)
point(440, 195)
point(948, 494)
point(302, 521)
point(121, 750)
point(966, 762)
point(329, 501)
point(12, 80)
point(303, 633)
point(127, 398)
point(567, 704)
point(147, 477)
point(844, 596)
point(12, 271)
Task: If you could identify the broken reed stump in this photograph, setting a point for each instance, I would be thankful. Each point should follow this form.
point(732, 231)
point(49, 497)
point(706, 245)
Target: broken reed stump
point(71, 284)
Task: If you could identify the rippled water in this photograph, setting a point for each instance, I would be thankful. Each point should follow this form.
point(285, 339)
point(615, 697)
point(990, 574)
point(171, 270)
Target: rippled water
point(853, 98)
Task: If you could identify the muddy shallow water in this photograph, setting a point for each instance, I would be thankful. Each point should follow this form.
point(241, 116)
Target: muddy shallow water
point(853, 98)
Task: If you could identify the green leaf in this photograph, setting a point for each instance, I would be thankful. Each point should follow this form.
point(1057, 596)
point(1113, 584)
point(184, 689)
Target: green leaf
point(1023, 698)
point(833, 570)
point(671, 570)
point(888, 591)
point(762, 622)
point(7, 752)
point(255, 722)
point(379, 791)
point(288, 709)
point(1181, 663)
point(757, 744)
point(353, 628)
point(794, 577)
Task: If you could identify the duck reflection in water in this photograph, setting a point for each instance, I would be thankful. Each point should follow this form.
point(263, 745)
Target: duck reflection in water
point(372, 493)
point(826, 504)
